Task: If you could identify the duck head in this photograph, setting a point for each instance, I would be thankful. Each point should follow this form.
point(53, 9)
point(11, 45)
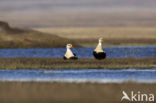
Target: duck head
point(101, 40)
point(69, 46)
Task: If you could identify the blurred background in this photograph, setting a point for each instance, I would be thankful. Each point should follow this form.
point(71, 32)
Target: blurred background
point(78, 13)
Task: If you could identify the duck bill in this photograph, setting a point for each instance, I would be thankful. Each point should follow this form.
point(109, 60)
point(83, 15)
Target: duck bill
point(71, 46)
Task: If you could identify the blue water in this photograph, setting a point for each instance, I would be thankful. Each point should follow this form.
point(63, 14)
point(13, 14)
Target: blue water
point(112, 52)
point(80, 75)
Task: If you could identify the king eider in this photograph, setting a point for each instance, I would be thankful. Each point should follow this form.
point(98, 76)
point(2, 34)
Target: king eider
point(98, 52)
point(69, 54)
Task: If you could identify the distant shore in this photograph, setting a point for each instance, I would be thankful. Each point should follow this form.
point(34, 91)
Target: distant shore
point(12, 37)
point(113, 36)
point(59, 63)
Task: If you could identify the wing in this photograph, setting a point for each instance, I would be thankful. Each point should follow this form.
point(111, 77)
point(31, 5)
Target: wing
point(74, 54)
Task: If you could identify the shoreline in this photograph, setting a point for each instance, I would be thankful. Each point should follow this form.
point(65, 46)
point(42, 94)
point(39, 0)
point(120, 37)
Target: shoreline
point(59, 63)
point(12, 37)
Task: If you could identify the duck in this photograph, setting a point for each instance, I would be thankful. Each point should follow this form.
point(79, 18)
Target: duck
point(69, 54)
point(99, 53)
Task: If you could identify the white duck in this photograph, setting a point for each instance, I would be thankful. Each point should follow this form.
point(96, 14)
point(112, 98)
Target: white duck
point(99, 53)
point(69, 54)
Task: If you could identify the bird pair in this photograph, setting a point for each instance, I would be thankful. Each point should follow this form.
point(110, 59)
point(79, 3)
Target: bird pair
point(98, 53)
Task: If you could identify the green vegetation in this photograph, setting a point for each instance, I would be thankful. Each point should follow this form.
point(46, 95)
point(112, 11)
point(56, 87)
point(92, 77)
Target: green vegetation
point(27, 38)
point(46, 92)
point(56, 63)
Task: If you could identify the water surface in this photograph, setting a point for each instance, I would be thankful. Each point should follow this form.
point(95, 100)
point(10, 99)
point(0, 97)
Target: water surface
point(112, 52)
point(80, 75)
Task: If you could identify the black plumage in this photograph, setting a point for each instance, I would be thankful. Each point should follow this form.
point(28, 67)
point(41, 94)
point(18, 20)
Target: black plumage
point(99, 55)
point(74, 54)
point(72, 58)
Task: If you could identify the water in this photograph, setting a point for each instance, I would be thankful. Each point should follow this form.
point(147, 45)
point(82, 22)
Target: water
point(112, 52)
point(80, 75)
